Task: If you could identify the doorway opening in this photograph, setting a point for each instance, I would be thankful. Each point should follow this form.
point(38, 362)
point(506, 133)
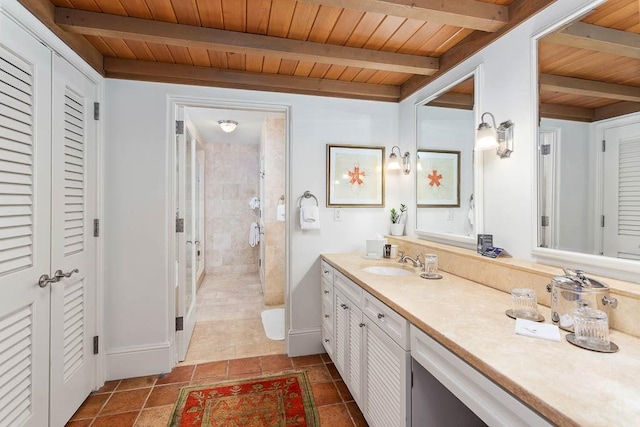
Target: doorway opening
point(231, 256)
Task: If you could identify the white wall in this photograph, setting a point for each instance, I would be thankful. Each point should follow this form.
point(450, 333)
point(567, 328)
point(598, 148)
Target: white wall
point(506, 90)
point(137, 217)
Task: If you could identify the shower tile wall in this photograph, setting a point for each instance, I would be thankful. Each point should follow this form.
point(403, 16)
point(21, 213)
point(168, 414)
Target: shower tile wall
point(231, 180)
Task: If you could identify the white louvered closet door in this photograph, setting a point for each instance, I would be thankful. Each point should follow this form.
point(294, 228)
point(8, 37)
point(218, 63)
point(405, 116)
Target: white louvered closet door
point(622, 192)
point(73, 205)
point(25, 159)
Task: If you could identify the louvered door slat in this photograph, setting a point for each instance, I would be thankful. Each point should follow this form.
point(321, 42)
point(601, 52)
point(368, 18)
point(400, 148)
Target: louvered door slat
point(16, 336)
point(16, 158)
point(629, 187)
point(74, 328)
point(355, 353)
point(74, 177)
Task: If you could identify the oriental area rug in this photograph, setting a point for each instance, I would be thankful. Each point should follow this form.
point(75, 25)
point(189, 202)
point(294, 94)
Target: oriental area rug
point(282, 400)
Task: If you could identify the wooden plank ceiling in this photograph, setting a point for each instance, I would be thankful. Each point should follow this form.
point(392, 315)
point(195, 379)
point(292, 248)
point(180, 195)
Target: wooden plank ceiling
point(367, 49)
point(590, 70)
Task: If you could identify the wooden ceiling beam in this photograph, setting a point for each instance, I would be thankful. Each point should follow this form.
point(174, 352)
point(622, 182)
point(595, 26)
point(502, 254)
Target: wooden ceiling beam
point(146, 30)
point(460, 101)
point(519, 11)
point(45, 12)
point(567, 112)
point(207, 76)
point(599, 39)
point(458, 13)
point(575, 86)
point(617, 109)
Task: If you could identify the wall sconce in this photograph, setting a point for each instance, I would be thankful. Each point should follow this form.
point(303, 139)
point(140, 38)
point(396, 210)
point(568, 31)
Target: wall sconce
point(499, 137)
point(228, 126)
point(394, 161)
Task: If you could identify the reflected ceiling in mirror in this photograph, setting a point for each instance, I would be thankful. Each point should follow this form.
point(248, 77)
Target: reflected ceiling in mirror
point(445, 137)
point(588, 189)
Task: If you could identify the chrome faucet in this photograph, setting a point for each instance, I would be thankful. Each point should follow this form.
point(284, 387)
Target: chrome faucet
point(404, 258)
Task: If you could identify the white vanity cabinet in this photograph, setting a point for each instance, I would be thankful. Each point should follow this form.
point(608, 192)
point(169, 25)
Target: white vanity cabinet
point(371, 352)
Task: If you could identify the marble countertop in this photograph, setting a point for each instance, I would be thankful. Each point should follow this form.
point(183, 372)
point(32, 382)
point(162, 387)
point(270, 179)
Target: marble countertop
point(568, 385)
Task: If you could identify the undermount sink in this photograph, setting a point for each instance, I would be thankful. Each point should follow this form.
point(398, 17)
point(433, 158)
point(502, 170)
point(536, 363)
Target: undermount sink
point(387, 271)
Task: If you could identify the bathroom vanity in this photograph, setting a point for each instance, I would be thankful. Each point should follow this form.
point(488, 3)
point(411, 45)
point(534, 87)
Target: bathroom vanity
point(465, 354)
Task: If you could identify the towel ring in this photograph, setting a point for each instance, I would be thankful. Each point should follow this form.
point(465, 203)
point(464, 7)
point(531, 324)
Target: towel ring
point(306, 195)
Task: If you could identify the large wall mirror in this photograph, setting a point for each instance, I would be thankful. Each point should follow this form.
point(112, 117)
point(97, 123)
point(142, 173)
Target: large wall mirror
point(447, 205)
point(589, 136)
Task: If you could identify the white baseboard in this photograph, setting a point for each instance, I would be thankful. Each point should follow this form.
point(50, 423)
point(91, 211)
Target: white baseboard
point(303, 342)
point(137, 361)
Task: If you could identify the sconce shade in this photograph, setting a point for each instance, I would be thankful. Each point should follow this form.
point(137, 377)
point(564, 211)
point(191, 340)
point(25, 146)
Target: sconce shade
point(394, 161)
point(228, 126)
point(486, 137)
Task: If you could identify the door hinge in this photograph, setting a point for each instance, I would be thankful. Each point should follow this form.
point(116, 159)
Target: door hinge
point(96, 228)
point(602, 221)
point(96, 111)
point(179, 127)
point(411, 379)
point(545, 149)
point(544, 221)
point(179, 323)
point(179, 225)
point(259, 262)
point(604, 145)
point(96, 342)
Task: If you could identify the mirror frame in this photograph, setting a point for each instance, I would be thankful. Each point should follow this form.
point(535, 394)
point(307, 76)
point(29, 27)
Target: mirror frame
point(446, 83)
point(613, 267)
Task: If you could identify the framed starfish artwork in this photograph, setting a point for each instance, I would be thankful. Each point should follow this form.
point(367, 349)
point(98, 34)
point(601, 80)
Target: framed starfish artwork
point(438, 179)
point(355, 176)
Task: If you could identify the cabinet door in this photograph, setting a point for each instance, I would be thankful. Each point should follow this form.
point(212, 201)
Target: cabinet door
point(387, 383)
point(354, 376)
point(25, 200)
point(341, 333)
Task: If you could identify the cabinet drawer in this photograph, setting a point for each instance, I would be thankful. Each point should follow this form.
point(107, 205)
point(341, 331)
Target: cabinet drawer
point(327, 315)
point(349, 288)
point(388, 320)
point(327, 292)
point(326, 271)
point(328, 341)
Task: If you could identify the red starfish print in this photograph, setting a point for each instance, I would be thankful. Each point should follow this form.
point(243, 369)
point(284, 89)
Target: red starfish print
point(434, 178)
point(356, 176)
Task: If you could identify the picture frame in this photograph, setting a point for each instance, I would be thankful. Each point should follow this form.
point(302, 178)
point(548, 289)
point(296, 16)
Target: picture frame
point(355, 176)
point(438, 179)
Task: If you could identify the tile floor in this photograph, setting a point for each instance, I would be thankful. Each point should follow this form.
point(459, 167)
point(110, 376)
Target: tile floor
point(229, 325)
point(148, 401)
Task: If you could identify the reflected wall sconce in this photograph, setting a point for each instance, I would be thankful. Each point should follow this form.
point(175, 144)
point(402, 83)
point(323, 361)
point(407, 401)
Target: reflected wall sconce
point(228, 126)
point(498, 137)
point(394, 161)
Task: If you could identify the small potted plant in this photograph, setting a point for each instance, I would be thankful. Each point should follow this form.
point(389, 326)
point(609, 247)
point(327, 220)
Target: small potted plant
point(398, 220)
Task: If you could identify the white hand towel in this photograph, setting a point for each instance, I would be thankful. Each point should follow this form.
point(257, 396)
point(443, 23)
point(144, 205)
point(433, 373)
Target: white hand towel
point(310, 213)
point(533, 329)
point(254, 234)
point(309, 218)
point(280, 213)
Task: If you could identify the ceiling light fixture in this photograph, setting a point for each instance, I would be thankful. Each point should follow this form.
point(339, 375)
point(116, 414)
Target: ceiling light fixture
point(499, 137)
point(228, 126)
point(394, 161)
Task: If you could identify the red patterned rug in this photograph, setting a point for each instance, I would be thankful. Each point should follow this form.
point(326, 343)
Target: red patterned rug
point(282, 400)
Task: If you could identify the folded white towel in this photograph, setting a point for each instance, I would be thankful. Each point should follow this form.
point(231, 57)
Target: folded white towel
point(533, 329)
point(310, 213)
point(254, 203)
point(280, 213)
point(309, 218)
point(254, 234)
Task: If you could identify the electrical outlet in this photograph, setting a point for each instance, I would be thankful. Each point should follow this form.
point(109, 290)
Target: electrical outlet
point(337, 215)
point(449, 215)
